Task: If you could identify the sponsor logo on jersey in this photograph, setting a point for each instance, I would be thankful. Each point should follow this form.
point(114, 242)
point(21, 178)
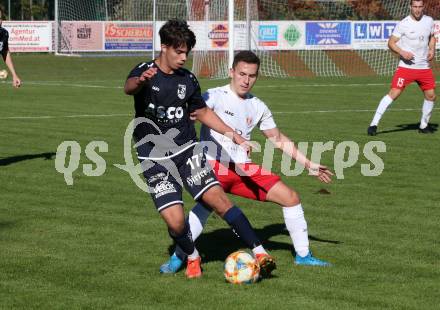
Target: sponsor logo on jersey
point(197, 178)
point(165, 113)
point(181, 91)
point(164, 188)
point(229, 113)
point(248, 121)
point(155, 88)
point(159, 176)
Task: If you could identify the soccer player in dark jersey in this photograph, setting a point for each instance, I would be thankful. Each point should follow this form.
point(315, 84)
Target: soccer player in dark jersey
point(165, 94)
point(6, 54)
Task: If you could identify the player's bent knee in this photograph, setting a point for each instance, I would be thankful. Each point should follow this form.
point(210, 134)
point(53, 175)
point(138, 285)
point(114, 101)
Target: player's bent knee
point(283, 195)
point(394, 93)
point(431, 97)
point(293, 199)
point(176, 229)
point(216, 199)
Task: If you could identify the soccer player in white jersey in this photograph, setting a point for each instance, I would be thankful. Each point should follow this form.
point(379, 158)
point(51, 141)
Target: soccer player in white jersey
point(242, 111)
point(413, 40)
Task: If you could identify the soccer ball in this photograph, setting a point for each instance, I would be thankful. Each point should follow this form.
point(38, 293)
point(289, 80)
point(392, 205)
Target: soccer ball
point(3, 74)
point(241, 267)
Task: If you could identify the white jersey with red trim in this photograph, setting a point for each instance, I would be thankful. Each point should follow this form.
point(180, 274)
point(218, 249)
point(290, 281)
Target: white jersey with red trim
point(414, 37)
point(240, 114)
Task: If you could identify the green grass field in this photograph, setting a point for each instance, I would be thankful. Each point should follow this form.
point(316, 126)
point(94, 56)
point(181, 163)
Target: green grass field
point(100, 242)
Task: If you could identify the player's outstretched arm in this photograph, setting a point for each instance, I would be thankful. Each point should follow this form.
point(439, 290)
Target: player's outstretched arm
point(16, 82)
point(208, 117)
point(288, 147)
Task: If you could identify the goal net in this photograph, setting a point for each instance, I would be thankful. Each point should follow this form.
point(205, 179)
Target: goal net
point(303, 38)
point(112, 27)
point(293, 38)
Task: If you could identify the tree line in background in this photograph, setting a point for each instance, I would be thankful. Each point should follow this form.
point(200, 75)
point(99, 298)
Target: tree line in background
point(340, 9)
point(267, 9)
point(29, 9)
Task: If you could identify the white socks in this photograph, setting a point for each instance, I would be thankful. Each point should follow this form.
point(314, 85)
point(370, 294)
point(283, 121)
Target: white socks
point(383, 105)
point(293, 216)
point(426, 113)
point(259, 250)
point(297, 226)
point(194, 255)
point(197, 219)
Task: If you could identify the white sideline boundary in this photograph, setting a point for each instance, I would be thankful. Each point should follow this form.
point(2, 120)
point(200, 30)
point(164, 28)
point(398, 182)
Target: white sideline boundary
point(125, 115)
point(293, 85)
point(64, 116)
point(56, 83)
point(67, 84)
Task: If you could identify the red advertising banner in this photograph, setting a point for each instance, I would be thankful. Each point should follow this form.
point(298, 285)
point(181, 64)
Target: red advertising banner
point(129, 36)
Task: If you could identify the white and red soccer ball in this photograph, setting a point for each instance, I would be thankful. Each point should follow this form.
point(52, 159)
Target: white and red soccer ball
point(241, 268)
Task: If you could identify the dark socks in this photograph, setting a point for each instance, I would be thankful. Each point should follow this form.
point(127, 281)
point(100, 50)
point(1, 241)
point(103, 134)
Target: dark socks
point(241, 227)
point(184, 240)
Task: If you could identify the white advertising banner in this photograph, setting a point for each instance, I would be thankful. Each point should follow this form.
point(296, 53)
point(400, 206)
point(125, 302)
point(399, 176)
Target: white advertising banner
point(372, 34)
point(267, 35)
point(29, 36)
point(97, 36)
point(437, 32)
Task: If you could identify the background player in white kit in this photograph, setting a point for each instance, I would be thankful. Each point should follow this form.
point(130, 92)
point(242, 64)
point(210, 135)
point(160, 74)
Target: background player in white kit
point(234, 170)
point(413, 39)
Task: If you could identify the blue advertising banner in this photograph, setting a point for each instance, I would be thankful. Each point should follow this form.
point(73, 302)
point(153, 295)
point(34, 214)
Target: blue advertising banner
point(373, 34)
point(328, 34)
point(373, 30)
point(268, 35)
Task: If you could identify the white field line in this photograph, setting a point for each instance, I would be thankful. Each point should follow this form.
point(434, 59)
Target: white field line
point(67, 84)
point(125, 115)
point(64, 116)
point(343, 111)
point(53, 83)
point(293, 84)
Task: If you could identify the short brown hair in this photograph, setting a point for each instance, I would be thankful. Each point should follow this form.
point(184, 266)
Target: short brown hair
point(411, 1)
point(247, 57)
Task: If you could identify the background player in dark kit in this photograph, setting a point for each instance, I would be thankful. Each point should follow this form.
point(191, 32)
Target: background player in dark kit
point(6, 54)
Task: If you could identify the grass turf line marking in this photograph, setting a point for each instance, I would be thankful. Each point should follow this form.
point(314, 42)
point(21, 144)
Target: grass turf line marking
point(55, 83)
point(63, 116)
point(117, 115)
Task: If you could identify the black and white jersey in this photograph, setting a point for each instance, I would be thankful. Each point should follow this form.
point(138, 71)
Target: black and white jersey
point(4, 37)
point(166, 102)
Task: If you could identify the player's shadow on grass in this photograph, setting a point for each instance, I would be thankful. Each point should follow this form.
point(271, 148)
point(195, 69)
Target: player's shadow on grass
point(405, 127)
point(15, 159)
point(6, 225)
point(218, 244)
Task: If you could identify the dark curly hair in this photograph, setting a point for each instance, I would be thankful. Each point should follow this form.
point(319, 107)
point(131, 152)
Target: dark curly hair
point(176, 33)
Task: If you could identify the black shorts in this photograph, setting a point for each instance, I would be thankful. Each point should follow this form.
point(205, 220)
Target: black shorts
point(166, 176)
